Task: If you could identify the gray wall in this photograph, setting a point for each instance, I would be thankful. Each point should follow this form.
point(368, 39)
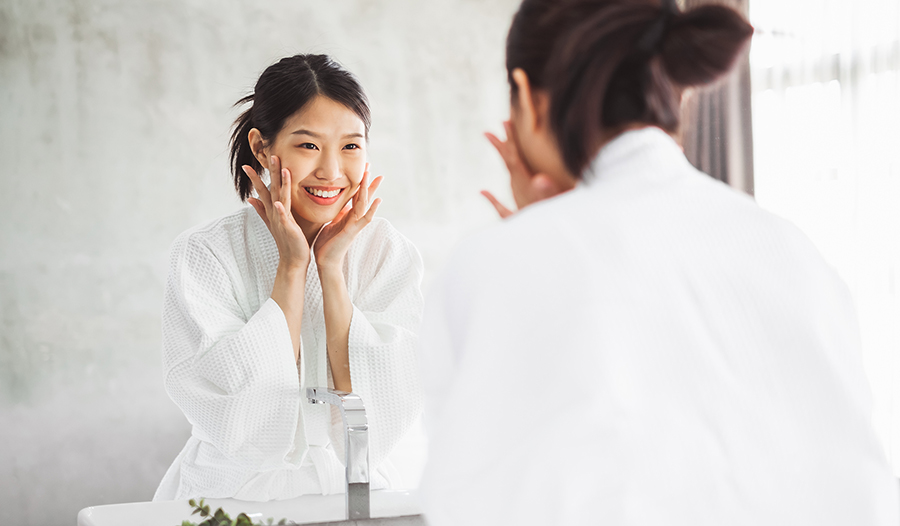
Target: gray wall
point(114, 118)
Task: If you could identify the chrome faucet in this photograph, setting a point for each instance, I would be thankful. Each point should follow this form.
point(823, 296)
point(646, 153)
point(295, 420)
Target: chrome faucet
point(356, 446)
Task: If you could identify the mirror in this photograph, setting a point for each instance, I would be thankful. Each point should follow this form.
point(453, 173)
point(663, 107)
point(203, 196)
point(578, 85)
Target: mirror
point(120, 114)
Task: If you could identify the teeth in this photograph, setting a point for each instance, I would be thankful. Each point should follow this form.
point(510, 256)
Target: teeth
point(322, 193)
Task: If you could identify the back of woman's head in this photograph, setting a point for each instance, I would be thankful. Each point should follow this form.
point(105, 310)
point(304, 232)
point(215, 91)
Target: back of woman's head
point(282, 90)
point(607, 64)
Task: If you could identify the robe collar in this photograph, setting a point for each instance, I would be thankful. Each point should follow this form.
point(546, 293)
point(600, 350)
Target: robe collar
point(644, 151)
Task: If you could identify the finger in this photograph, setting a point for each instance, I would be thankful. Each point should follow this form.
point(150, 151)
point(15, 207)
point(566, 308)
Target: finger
point(498, 206)
point(258, 185)
point(370, 215)
point(507, 152)
point(361, 200)
point(510, 131)
point(285, 191)
point(371, 191)
point(341, 215)
point(498, 144)
point(364, 184)
point(275, 177)
point(501, 148)
point(359, 187)
point(282, 212)
point(260, 209)
point(375, 184)
point(512, 143)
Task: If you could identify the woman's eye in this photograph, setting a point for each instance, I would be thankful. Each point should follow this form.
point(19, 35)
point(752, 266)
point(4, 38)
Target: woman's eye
point(308, 146)
point(352, 147)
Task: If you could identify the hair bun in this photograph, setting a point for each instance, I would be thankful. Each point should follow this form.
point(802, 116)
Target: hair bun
point(703, 43)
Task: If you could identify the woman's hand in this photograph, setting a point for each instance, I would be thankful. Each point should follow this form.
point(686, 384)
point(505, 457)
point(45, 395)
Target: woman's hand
point(527, 187)
point(498, 206)
point(330, 248)
point(335, 237)
point(274, 207)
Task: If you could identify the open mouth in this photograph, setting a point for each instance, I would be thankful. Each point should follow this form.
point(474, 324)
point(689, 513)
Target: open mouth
point(323, 195)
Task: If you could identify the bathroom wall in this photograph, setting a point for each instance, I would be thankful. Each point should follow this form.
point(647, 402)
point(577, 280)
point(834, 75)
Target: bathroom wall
point(114, 120)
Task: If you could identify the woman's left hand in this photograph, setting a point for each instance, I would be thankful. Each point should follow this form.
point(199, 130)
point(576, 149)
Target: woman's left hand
point(335, 237)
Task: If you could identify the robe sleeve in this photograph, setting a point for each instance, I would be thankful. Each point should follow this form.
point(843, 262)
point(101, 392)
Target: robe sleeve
point(232, 373)
point(387, 309)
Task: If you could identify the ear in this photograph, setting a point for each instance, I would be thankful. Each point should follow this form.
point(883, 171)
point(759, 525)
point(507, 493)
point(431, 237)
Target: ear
point(526, 104)
point(258, 147)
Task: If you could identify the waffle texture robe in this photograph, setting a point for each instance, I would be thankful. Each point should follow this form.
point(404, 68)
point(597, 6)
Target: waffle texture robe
point(650, 348)
point(229, 363)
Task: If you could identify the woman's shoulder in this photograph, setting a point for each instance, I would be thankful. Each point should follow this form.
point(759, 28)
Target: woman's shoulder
point(218, 236)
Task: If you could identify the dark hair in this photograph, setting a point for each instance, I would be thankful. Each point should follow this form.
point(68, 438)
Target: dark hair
point(608, 63)
point(281, 91)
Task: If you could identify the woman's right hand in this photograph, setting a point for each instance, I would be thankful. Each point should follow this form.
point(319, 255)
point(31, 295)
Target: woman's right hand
point(527, 187)
point(274, 207)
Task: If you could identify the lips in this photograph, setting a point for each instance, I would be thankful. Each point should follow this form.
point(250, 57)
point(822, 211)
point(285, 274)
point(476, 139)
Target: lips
point(323, 195)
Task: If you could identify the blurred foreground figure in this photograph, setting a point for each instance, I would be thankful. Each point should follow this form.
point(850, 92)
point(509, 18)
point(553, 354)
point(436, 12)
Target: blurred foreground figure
point(639, 344)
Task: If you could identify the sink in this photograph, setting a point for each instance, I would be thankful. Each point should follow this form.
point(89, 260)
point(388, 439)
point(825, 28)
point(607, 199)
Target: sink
point(301, 510)
point(374, 508)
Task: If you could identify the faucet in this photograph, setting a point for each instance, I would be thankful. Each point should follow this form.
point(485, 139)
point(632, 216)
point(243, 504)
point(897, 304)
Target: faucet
point(356, 446)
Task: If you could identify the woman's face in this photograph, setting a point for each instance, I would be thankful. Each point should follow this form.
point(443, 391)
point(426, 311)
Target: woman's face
point(323, 146)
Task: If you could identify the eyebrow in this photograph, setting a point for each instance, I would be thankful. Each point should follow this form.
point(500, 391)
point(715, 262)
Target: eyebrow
point(315, 135)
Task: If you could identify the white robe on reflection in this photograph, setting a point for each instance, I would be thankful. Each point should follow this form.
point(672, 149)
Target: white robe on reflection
point(229, 363)
point(650, 348)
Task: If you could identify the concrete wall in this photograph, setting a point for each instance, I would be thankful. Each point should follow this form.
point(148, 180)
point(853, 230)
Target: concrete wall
point(114, 119)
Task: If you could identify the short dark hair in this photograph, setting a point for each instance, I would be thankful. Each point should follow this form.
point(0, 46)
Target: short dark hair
point(592, 59)
point(281, 91)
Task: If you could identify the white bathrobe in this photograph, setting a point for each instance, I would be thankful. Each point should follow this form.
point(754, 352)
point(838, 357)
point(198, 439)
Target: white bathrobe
point(650, 348)
point(229, 363)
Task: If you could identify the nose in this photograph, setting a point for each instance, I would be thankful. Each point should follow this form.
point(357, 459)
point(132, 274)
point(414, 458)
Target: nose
point(329, 168)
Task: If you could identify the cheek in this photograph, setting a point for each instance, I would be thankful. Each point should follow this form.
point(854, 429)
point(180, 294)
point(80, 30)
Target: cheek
point(295, 163)
point(354, 169)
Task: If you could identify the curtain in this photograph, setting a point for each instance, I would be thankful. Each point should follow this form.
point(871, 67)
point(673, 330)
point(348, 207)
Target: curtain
point(826, 125)
point(716, 121)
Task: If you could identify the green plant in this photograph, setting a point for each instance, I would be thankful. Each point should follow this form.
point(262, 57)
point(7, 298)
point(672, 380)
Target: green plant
point(220, 518)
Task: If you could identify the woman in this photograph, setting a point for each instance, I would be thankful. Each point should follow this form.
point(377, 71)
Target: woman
point(305, 288)
point(649, 347)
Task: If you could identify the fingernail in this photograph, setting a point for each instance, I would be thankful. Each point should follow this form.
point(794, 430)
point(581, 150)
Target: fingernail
point(272, 159)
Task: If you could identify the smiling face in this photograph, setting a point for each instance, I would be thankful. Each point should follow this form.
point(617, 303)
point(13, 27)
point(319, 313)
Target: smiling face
point(323, 146)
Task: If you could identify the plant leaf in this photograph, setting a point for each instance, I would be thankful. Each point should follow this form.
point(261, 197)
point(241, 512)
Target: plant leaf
point(220, 518)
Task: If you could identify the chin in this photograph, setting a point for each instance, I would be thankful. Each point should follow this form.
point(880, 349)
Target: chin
point(322, 214)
